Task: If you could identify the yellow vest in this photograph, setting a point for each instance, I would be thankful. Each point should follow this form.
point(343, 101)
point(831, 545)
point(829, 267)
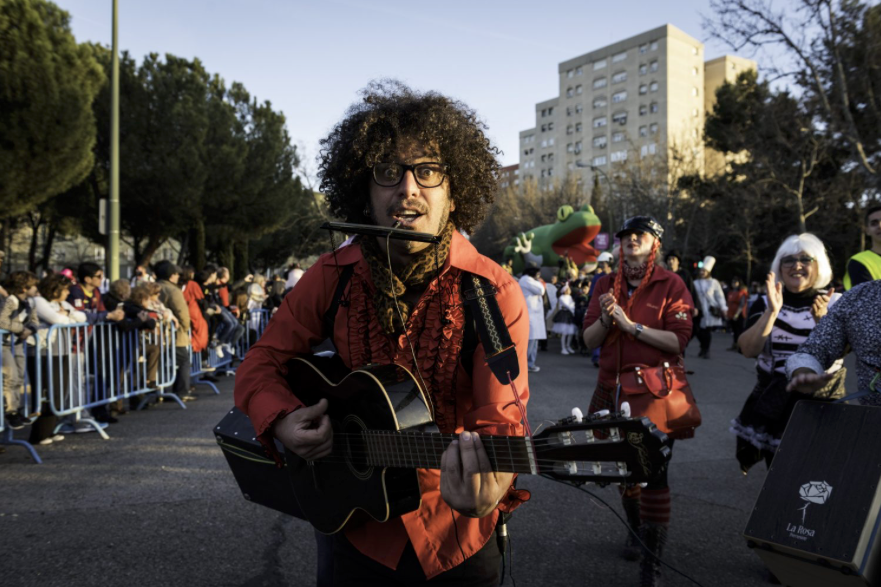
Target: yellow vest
point(871, 261)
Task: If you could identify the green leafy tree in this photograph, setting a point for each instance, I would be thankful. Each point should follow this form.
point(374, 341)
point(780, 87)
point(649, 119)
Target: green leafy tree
point(47, 86)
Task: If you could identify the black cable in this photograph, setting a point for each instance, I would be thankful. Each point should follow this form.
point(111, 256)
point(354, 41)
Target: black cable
point(626, 525)
point(456, 529)
point(511, 561)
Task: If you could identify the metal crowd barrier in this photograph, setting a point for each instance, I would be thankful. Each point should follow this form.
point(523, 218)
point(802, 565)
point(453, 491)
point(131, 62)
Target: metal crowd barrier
point(255, 323)
point(17, 355)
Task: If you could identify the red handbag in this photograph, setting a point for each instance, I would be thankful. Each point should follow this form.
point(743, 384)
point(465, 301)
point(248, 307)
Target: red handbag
point(662, 394)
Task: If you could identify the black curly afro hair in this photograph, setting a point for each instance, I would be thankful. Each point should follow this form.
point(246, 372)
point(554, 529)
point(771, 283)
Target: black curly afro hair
point(391, 115)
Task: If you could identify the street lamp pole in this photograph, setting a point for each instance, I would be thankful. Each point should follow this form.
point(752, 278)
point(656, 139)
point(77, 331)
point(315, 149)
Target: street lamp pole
point(113, 232)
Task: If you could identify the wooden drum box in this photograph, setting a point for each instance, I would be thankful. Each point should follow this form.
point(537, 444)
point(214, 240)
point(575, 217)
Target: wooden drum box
point(816, 521)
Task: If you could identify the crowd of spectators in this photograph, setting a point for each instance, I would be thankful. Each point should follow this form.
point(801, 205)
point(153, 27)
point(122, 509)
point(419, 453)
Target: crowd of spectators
point(207, 311)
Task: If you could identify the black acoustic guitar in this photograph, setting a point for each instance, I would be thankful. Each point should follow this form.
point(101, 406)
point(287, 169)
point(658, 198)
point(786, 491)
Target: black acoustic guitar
point(383, 431)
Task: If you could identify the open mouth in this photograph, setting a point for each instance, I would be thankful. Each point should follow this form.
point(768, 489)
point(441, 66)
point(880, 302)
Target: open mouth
point(407, 217)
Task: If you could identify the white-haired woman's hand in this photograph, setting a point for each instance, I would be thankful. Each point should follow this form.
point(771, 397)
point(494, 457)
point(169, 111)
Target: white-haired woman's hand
point(775, 294)
point(821, 304)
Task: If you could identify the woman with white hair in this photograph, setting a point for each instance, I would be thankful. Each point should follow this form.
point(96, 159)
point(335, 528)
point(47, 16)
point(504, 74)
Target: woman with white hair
point(711, 305)
point(777, 324)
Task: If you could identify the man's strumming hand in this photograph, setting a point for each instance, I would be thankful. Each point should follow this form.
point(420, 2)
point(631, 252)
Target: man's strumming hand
point(307, 431)
point(468, 483)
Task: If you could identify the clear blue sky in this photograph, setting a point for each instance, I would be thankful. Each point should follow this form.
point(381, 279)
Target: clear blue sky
point(311, 58)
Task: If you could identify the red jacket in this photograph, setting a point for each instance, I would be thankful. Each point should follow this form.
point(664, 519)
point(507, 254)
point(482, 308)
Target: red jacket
point(199, 333)
point(478, 403)
point(665, 304)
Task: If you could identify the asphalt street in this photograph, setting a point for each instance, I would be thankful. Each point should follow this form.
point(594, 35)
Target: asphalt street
point(157, 505)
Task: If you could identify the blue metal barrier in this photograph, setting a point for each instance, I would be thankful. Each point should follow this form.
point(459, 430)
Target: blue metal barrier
point(18, 361)
point(255, 323)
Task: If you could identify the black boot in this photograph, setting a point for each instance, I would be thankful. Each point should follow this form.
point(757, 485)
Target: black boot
point(632, 549)
point(655, 537)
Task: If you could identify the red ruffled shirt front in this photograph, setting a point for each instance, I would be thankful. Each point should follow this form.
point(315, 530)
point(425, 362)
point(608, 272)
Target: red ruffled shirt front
point(476, 403)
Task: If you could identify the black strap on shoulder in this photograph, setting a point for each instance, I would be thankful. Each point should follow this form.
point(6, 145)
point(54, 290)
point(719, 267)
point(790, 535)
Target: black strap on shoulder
point(480, 301)
point(330, 314)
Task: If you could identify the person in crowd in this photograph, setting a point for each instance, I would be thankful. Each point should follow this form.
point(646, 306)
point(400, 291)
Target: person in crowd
point(140, 315)
point(118, 293)
point(737, 307)
point(198, 323)
point(294, 275)
point(640, 315)
point(855, 322)
point(18, 318)
point(777, 323)
point(604, 267)
point(580, 296)
point(534, 292)
point(3, 293)
point(257, 293)
point(563, 323)
point(51, 307)
point(275, 296)
point(711, 301)
point(140, 275)
point(408, 166)
point(552, 290)
point(866, 266)
point(228, 312)
point(172, 297)
point(509, 266)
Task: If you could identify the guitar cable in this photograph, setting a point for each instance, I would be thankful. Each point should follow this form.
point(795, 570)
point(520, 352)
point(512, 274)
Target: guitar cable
point(642, 544)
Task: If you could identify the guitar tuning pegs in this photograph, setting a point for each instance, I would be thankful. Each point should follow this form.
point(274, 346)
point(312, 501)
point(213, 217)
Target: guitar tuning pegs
point(599, 415)
point(576, 413)
point(625, 409)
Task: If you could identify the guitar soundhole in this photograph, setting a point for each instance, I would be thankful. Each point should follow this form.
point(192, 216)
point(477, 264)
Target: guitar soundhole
point(356, 447)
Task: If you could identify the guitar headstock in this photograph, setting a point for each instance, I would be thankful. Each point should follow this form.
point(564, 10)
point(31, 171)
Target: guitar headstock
point(604, 448)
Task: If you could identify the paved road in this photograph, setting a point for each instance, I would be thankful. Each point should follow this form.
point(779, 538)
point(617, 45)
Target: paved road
point(156, 504)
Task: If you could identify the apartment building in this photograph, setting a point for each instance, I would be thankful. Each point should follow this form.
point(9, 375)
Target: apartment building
point(642, 96)
point(509, 176)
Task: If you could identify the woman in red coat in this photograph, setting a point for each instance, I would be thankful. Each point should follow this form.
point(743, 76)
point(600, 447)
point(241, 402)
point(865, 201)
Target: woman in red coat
point(193, 294)
point(640, 314)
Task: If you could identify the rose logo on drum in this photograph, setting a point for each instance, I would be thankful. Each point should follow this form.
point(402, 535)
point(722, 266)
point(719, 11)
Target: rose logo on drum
point(813, 492)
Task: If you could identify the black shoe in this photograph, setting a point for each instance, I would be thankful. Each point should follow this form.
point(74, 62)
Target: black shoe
point(16, 421)
point(188, 398)
point(106, 419)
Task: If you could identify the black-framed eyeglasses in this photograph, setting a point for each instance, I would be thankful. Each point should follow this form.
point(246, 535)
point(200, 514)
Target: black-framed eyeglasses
point(428, 175)
point(789, 262)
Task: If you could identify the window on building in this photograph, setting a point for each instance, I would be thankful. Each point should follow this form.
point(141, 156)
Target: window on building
point(544, 158)
point(579, 108)
point(579, 89)
point(649, 149)
point(619, 96)
point(599, 122)
point(600, 102)
point(599, 82)
point(570, 91)
point(653, 46)
point(570, 129)
point(643, 69)
point(550, 126)
point(570, 147)
point(694, 71)
point(653, 66)
point(544, 143)
point(643, 110)
point(601, 160)
point(619, 77)
point(578, 70)
point(544, 112)
point(618, 156)
point(568, 110)
point(653, 128)
point(550, 172)
point(577, 146)
point(550, 110)
point(653, 87)
point(619, 118)
point(618, 57)
point(550, 156)
point(653, 108)
point(644, 48)
point(617, 137)
point(551, 142)
point(643, 89)
point(570, 73)
point(577, 127)
point(599, 64)
point(543, 173)
point(694, 92)
point(643, 131)
point(695, 51)
point(695, 112)
point(544, 128)
point(600, 142)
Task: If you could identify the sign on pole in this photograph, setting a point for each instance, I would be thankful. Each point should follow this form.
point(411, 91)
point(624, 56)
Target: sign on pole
point(102, 215)
point(601, 242)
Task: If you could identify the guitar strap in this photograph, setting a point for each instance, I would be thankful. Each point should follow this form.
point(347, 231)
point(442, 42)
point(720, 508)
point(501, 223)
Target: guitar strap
point(501, 354)
point(329, 318)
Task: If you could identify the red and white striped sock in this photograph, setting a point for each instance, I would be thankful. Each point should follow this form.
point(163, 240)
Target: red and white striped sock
point(654, 506)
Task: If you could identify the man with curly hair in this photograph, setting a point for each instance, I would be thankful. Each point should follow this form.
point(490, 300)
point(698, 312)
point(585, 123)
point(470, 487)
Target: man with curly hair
point(420, 161)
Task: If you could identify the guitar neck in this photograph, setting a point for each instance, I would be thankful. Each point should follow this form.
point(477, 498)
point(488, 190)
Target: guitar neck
point(422, 450)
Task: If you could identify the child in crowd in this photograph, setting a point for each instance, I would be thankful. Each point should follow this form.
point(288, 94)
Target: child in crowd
point(17, 317)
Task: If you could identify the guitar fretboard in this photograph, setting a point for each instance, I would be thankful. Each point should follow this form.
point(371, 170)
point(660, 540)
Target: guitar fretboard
point(508, 454)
